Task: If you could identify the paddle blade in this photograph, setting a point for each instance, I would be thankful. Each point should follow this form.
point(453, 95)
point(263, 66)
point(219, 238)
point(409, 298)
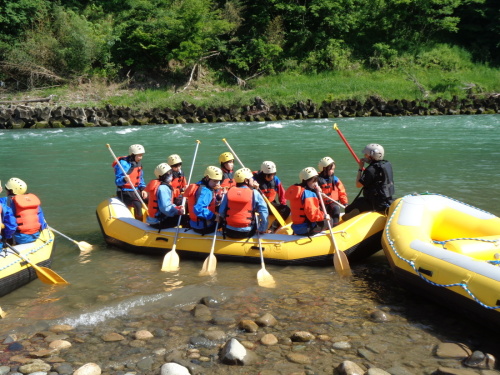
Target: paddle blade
point(341, 264)
point(209, 266)
point(264, 279)
point(47, 276)
point(84, 246)
point(171, 261)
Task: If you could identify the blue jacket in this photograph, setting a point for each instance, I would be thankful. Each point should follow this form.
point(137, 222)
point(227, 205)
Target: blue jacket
point(8, 220)
point(201, 208)
point(120, 178)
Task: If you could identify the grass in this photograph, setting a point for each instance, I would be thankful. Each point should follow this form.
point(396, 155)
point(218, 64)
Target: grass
point(285, 89)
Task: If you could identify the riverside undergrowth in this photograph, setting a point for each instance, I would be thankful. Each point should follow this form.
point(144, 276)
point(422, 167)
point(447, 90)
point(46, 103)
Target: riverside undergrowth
point(281, 89)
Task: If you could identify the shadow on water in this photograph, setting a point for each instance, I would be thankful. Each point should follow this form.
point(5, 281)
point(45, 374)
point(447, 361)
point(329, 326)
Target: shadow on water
point(445, 322)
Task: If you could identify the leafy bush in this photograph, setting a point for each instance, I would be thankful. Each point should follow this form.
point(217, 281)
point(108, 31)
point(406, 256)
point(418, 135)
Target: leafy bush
point(443, 56)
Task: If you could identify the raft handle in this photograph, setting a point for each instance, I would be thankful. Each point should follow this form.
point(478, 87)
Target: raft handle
point(161, 239)
point(257, 248)
point(425, 272)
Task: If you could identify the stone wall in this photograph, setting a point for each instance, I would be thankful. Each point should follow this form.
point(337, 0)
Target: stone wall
point(54, 116)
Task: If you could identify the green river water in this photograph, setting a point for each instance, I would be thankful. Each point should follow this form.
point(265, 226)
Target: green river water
point(70, 170)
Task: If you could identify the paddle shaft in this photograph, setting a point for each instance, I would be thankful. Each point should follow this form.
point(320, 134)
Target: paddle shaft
point(127, 177)
point(269, 204)
point(337, 259)
point(346, 143)
point(333, 200)
point(184, 198)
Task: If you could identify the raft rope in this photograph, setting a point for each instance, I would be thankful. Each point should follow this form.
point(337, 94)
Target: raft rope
point(45, 243)
point(462, 285)
point(464, 239)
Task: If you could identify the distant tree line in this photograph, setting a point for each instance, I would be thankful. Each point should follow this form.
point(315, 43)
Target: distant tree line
point(49, 42)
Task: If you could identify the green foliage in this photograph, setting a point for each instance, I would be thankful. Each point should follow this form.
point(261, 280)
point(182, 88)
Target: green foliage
point(445, 57)
point(118, 38)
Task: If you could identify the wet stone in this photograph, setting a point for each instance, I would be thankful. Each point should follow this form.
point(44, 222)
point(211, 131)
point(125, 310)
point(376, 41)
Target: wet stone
point(266, 320)
point(453, 350)
point(341, 345)
point(298, 358)
point(302, 336)
point(112, 336)
point(349, 368)
point(248, 325)
point(454, 371)
point(210, 301)
point(269, 339)
point(376, 371)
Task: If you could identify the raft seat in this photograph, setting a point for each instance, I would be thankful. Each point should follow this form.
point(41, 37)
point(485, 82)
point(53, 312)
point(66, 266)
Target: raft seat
point(480, 248)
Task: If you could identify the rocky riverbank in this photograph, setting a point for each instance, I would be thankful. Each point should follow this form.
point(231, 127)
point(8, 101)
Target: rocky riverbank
point(18, 116)
point(242, 336)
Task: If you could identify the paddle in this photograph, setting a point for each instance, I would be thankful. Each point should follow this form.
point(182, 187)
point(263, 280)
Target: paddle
point(84, 246)
point(171, 259)
point(127, 177)
point(264, 278)
point(332, 200)
point(269, 204)
point(46, 275)
point(346, 143)
point(210, 263)
point(340, 261)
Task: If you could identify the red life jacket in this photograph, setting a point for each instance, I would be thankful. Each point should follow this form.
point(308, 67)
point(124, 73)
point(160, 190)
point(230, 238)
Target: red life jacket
point(239, 212)
point(152, 189)
point(227, 179)
point(294, 194)
point(192, 194)
point(134, 173)
point(268, 188)
point(26, 206)
point(178, 183)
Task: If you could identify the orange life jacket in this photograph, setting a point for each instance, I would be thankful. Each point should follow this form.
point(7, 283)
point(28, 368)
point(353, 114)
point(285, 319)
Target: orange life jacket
point(329, 186)
point(26, 206)
point(178, 183)
point(294, 194)
point(239, 211)
point(227, 179)
point(191, 194)
point(134, 173)
point(152, 189)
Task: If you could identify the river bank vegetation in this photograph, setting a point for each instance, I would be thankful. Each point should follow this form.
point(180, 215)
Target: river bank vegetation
point(156, 53)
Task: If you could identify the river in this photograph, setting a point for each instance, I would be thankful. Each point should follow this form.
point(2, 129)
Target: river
point(70, 170)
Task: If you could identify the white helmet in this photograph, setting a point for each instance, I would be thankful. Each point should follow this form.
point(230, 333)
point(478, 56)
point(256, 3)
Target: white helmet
point(325, 162)
point(268, 167)
point(307, 173)
point(17, 186)
point(161, 169)
point(213, 173)
point(174, 159)
point(242, 174)
point(136, 150)
point(375, 151)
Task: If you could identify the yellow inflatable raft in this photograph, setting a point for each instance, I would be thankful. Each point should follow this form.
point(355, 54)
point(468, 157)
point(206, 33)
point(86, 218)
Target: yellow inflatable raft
point(15, 272)
point(358, 237)
point(446, 250)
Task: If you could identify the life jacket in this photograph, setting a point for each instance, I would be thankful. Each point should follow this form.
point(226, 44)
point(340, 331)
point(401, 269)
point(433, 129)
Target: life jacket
point(178, 183)
point(152, 189)
point(239, 211)
point(295, 194)
point(328, 186)
point(227, 179)
point(268, 188)
point(192, 194)
point(383, 186)
point(134, 172)
point(26, 207)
